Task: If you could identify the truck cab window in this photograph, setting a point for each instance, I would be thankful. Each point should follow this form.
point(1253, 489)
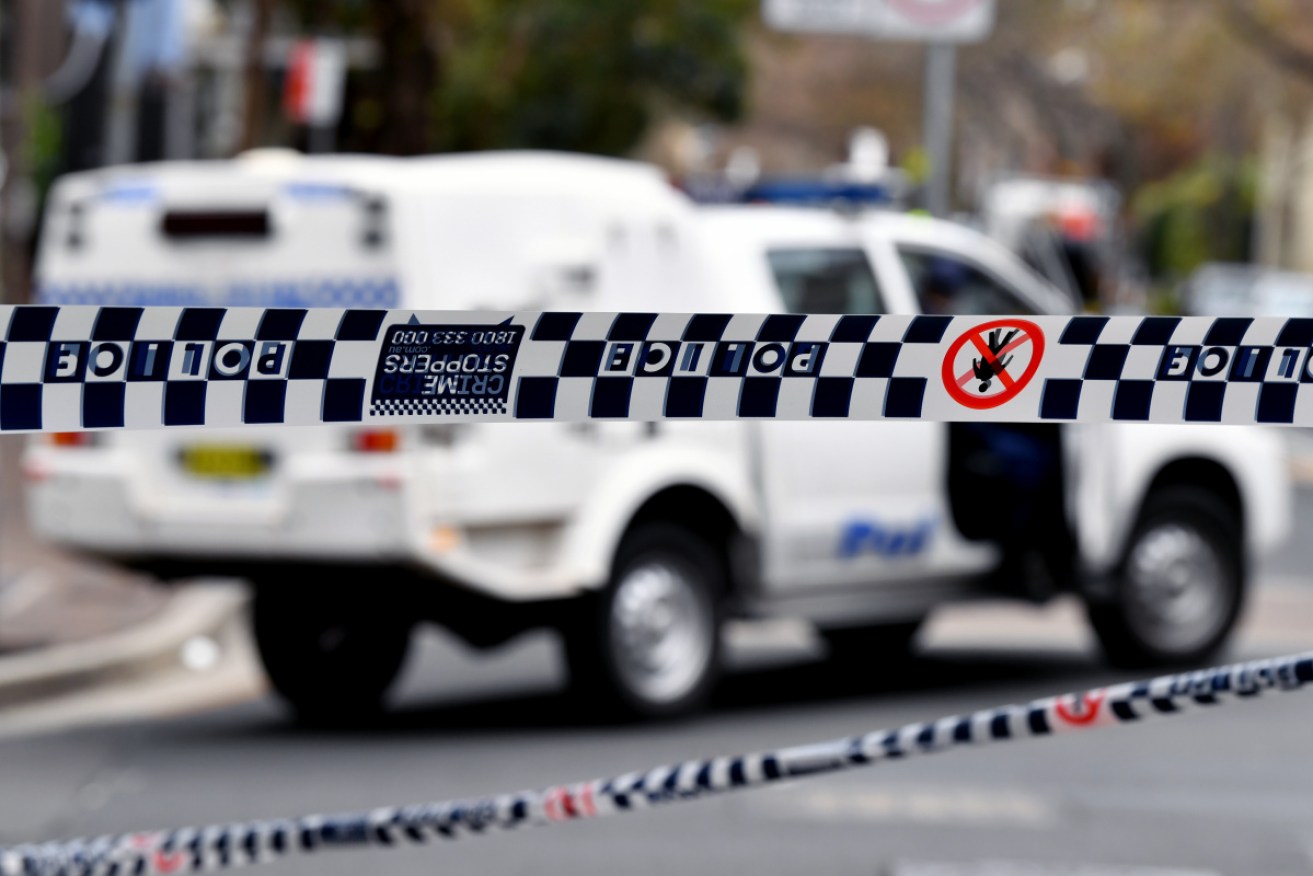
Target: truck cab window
point(825, 281)
point(946, 285)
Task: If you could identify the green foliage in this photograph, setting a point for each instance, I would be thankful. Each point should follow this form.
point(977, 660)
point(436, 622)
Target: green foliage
point(916, 164)
point(584, 75)
point(1198, 214)
point(45, 134)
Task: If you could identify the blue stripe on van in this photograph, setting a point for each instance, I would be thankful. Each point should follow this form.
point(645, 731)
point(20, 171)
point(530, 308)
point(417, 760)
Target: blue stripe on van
point(130, 193)
point(331, 292)
point(317, 191)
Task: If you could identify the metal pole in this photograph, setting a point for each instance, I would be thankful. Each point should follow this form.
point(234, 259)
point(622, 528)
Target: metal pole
point(940, 71)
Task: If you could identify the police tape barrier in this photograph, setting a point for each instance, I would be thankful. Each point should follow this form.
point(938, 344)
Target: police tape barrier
point(224, 846)
point(72, 368)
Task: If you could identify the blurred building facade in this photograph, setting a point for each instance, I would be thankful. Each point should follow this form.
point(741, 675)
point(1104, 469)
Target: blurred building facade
point(92, 83)
point(1198, 113)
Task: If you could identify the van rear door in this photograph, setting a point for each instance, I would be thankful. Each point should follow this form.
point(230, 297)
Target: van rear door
point(215, 235)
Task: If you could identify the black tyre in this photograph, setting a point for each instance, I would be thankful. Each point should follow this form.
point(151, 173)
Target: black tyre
point(648, 645)
point(330, 653)
point(888, 642)
point(1179, 589)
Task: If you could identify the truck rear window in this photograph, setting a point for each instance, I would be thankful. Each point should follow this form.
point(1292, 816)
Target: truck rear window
point(216, 223)
point(825, 280)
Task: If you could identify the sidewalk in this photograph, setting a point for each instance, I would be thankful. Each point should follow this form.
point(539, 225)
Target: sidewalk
point(56, 601)
point(49, 597)
point(68, 623)
point(1300, 446)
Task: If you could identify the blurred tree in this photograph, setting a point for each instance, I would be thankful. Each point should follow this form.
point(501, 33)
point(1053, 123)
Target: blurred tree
point(1166, 99)
point(389, 109)
point(556, 74)
point(1280, 34)
point(1275, 33)
point(1187, 218)
point(586, 76)
point(254, 74)
point(407, 32)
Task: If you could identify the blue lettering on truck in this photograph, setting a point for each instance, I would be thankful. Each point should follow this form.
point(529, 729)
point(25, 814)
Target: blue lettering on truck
point(869, 536)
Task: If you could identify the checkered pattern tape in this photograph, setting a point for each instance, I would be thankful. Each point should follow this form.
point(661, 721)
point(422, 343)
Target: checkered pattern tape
point(422, 407)
point(79, 367)
point(217, 847)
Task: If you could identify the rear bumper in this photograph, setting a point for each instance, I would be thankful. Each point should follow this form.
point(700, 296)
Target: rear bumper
point(336, 516)
point(328, 519)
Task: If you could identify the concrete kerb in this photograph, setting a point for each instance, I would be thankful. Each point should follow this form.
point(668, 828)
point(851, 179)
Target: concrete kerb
point(196, 609)
point(1299, 443)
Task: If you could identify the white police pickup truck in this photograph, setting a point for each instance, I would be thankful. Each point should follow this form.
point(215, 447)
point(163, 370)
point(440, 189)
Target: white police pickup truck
point(635, 540)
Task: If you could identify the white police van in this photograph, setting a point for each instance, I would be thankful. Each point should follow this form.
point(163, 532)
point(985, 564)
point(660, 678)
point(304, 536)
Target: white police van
point(635, 540)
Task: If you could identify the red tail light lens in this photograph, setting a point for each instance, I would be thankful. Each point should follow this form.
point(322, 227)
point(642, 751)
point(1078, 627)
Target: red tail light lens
point(375, 441)
point(73, 439)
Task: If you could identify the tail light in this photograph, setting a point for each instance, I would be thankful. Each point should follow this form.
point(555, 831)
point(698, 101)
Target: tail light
point(375, 441)
point(73, 439)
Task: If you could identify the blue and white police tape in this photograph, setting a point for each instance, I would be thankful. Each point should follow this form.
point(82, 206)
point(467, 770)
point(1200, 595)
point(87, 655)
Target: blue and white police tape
point(72, 368)
point(223, 846)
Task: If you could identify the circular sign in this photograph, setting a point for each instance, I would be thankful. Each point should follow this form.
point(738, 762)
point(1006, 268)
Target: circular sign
point(933, 12)
point(1078, 710)
point(991, 363)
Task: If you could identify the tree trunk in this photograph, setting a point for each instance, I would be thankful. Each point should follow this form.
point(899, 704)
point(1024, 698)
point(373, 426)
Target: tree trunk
point(255, 76)
point(410, 72)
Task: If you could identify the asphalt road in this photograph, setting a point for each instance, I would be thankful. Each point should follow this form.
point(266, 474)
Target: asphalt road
point(1227, 791)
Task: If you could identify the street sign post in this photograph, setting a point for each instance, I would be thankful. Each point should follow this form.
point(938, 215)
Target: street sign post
point(937, 101)
point(941, 24)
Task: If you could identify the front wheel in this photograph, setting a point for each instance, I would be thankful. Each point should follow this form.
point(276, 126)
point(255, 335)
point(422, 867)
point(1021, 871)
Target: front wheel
point(330, 652)
point(1180, 587)
point(648, 645)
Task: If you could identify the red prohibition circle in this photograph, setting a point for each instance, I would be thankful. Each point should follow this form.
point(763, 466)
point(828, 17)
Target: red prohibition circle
point(932, 13)
point(961, 396)
point(1084, 708)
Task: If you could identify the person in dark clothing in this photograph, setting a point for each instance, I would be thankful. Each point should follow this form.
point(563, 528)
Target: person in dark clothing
point(1006, 486)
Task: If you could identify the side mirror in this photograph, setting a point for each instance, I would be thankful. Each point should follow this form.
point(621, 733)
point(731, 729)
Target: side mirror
point(564, 268)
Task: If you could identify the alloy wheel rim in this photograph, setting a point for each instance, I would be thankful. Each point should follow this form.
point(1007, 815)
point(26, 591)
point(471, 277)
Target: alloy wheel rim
point(661, 632)
point(1177, 587)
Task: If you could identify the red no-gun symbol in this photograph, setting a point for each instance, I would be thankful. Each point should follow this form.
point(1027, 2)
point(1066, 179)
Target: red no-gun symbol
point(981, 368)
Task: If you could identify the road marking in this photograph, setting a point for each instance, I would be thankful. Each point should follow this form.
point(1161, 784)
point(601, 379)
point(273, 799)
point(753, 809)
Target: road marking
point(1033, 868)
point(21, 591)
point(939, 805)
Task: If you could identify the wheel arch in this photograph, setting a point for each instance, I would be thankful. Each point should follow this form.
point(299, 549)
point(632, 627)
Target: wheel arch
point(705, 514)
point(1115, 467)
point(1194, 472)
point(1200, 472)
point(1201, 486)
point(693, 488)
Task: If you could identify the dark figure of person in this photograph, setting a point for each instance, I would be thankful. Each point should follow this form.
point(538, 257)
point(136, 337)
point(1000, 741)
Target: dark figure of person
point(1006, 486)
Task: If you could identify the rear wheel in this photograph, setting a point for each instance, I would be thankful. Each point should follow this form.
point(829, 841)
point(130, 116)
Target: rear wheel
point(1180, 587)
point(332, 653)
point(648, 645)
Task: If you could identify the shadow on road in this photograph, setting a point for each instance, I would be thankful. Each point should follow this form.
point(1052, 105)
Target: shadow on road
point(815, 684)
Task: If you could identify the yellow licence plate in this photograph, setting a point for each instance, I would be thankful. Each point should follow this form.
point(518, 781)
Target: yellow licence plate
point(224, 462)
